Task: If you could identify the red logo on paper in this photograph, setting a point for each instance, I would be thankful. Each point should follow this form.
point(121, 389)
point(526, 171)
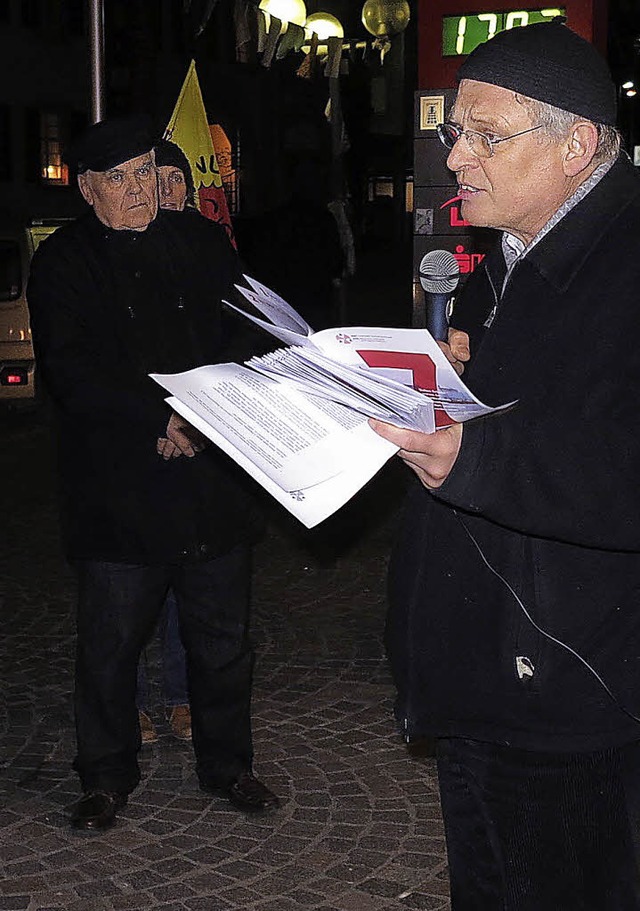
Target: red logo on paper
point(423, 371)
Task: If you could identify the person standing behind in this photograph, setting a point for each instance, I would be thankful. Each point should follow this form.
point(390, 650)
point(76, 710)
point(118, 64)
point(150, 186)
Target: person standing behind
point(175, 191)
point(124, 291)
point(514, 622)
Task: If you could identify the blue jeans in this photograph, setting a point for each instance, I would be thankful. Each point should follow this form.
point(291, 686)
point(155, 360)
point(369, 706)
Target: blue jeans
point(529, 831)
point(118, 608)
point(174, 666)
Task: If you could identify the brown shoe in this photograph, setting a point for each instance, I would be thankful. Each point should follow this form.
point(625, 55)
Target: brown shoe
point(180, 722)
point(147, 731)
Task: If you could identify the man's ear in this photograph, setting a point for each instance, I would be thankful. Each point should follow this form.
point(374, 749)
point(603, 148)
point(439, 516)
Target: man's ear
point(580, 148)
point(84, 186)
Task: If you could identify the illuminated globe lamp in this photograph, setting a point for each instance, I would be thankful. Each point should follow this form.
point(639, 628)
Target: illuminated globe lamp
point(383, 18)
point(286, 11)
point(325, 26)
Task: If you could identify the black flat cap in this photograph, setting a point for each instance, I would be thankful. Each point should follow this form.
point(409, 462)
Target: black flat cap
point(111, 142)
point(549, 62)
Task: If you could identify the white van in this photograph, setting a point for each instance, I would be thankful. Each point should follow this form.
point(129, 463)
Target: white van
point(17, 364)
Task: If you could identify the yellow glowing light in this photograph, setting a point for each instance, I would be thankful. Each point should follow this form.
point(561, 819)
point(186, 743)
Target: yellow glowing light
point(325, 26)
point(385, 17)
point(286, 10)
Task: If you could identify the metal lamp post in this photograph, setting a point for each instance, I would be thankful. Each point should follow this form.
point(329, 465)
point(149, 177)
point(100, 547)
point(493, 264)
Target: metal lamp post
point(96, 37)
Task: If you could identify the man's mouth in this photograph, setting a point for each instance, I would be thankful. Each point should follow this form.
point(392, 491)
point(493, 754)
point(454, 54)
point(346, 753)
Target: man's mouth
point(466, 191)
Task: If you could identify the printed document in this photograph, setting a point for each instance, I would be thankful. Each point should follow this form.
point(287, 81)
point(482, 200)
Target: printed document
point(297, 419)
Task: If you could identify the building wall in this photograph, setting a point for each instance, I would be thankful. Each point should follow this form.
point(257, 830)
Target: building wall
point(43, 70)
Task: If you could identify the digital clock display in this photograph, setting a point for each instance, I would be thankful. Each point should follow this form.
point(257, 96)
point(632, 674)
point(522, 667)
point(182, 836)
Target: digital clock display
point(461, 34)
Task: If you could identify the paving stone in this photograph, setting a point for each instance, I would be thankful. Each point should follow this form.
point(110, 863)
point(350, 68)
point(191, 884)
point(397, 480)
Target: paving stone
point(14, 902)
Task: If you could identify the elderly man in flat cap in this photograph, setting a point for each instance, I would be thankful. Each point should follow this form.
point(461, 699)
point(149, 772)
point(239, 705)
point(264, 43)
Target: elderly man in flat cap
point(126, 290)
point(514, 625)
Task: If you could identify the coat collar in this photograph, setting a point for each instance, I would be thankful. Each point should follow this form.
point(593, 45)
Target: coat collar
point(564, 250)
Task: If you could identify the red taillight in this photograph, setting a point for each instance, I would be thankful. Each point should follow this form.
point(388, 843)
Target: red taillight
point(14, 376)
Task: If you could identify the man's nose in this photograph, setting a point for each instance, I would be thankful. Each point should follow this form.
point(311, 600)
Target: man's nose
point(165, 189)
point(135, 184)
point(461, 156)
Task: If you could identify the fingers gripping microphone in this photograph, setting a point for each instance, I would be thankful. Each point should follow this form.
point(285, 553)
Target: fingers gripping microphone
point(439, 274)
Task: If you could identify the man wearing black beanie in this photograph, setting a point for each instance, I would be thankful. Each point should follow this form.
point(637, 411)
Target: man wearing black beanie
point(514, 623)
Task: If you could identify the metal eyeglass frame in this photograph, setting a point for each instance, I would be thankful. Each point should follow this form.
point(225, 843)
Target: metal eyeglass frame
point(449, 134)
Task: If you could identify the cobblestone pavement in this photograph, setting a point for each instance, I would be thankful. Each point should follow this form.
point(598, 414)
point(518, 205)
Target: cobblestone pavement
point(359, 828)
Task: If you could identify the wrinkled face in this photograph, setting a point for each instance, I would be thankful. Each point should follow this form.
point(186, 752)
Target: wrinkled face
point(125, 197)
point(172, 188)
point(523, 184)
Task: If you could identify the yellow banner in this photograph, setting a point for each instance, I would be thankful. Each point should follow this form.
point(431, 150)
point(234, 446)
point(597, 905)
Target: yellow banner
point(189, 129)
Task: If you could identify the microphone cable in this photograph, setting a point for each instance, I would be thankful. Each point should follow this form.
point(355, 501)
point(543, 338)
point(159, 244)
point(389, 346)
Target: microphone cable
point(542, 631)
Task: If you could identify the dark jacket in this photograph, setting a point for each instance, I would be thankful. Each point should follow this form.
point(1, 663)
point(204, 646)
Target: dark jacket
point(550, 492)
point(107, 308)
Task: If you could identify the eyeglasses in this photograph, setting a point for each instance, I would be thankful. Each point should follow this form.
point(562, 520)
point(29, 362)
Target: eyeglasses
point(480, 144)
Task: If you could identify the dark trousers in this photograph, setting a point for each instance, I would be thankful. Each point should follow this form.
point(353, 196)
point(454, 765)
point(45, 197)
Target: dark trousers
point(540, 831)
point(118, 607)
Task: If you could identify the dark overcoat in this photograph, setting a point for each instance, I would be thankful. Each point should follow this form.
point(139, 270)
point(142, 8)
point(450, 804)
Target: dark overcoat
point(108, 308)
point(537, 527)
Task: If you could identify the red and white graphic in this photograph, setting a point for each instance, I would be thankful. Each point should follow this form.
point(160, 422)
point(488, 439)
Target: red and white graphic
point(423, 371)
point(467, 261)
point(455, 219)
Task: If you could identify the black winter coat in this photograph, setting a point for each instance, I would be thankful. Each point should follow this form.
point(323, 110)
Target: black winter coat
point(550, 491)
point(107, 308)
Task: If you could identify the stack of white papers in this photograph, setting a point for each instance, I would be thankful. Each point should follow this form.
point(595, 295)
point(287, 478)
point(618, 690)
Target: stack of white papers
point(296, 419)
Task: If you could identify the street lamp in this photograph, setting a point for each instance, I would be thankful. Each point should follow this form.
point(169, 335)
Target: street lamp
point(285, 10)
point(383, 18)
point(324, 25)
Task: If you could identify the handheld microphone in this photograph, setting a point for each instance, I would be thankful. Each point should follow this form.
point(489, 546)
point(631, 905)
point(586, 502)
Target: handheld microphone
point(439, 275)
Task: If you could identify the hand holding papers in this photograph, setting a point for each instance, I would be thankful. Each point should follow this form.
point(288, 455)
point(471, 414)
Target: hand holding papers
point(296, 419)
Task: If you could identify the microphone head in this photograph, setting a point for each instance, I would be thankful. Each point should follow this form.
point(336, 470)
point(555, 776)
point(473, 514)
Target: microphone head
point(439, 272)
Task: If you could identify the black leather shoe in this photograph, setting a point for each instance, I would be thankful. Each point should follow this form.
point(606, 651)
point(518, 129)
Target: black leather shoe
point(96, 810)
point(246, 793)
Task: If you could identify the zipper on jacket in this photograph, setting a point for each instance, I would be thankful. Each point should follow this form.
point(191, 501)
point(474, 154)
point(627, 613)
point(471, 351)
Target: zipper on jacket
point(498, 297)
point(487, 323)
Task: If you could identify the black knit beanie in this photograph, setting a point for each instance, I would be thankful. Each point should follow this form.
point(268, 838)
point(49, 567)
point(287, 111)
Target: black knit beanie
point(168, 153)
point(550, 63)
